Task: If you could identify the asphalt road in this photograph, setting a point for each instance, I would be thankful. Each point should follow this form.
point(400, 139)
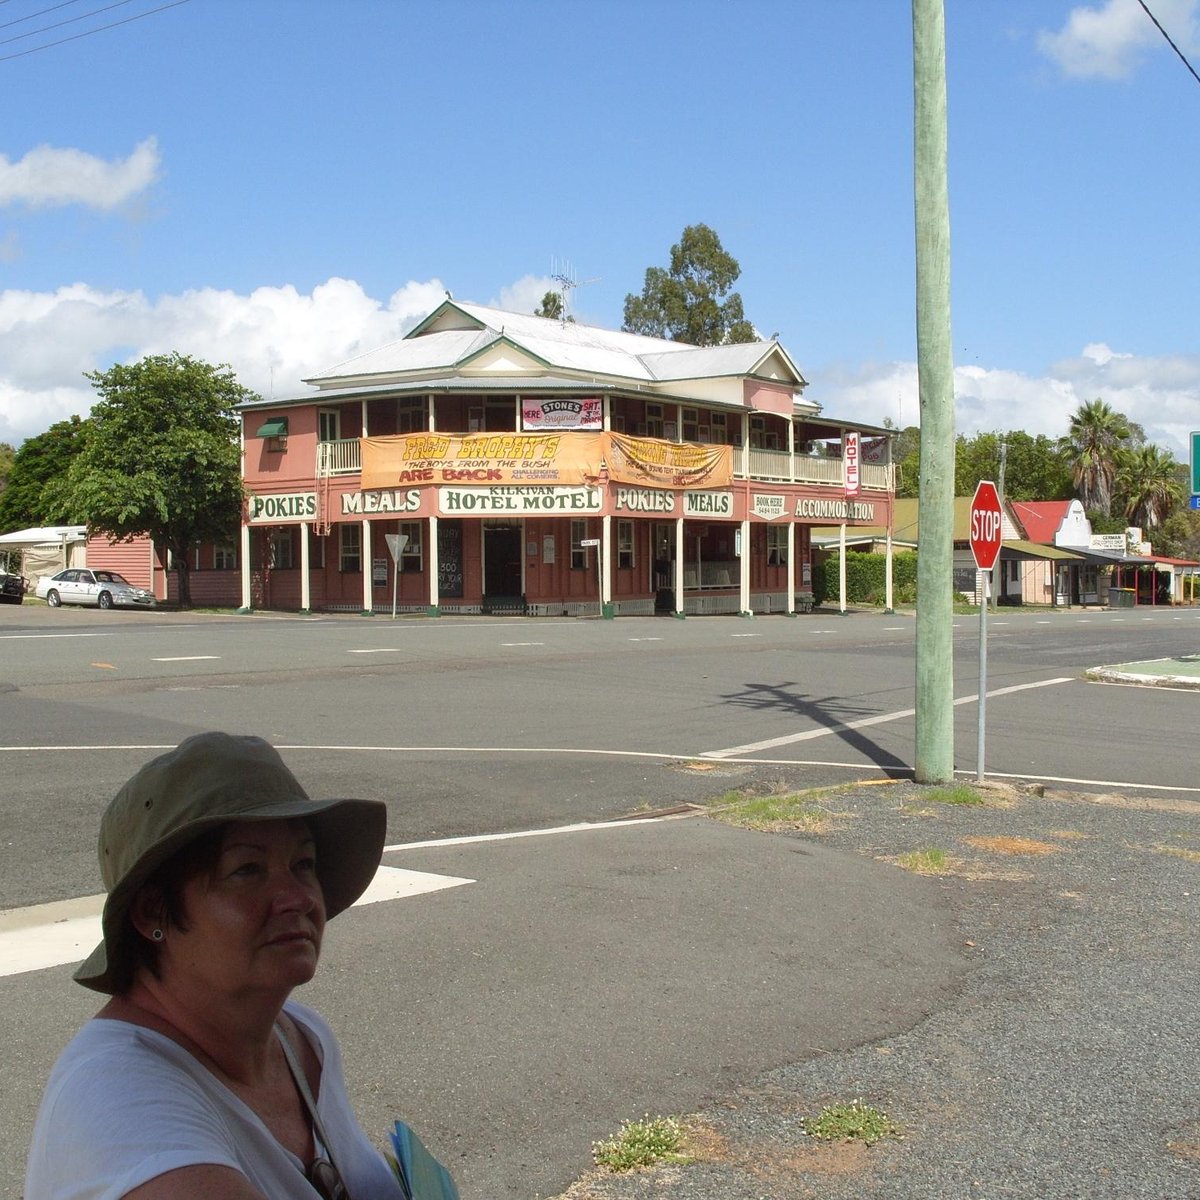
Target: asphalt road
point(587, 974)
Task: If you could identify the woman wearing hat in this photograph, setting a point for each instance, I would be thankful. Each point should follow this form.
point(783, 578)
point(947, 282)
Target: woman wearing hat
point(199, 1077)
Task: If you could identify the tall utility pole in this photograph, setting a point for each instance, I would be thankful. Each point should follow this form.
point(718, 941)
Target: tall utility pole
point(935, 370)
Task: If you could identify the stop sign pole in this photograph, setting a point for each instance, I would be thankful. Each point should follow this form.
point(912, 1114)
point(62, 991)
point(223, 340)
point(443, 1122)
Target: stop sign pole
point(985, 546)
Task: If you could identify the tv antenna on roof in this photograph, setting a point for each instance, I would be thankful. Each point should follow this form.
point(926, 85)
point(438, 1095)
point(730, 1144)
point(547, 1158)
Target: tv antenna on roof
point(564, 275)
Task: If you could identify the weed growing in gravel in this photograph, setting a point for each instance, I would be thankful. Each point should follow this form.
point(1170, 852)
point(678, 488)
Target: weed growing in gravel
point(855, 1121)
point(930, 861)
point(640, 1144)
point(957, 793)
point(1179, 852)
point(797, 810)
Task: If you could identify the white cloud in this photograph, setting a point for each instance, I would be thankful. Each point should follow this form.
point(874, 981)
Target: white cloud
point(52, 178)
point(525, 296)
point(273, 338)
point(1161, 394)
point(1109, 41)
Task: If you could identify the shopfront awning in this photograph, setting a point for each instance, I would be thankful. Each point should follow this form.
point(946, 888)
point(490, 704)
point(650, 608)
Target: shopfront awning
point(276, 427)
point(1021, 550)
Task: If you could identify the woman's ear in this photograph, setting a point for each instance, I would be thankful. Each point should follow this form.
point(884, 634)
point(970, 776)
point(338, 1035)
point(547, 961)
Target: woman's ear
point(148, 914)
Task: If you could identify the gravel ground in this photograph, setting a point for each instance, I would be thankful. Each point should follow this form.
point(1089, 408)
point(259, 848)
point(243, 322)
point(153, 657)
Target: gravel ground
point(1065, 1066)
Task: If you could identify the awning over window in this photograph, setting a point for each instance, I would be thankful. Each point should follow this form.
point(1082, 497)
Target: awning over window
point(276, 427)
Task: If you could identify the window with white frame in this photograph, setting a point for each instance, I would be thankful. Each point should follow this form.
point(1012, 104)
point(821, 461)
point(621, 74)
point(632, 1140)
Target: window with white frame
point(578, 549)
point(350, 548)
point(224, 557)
point(776, 545)
point(625, 556)
point(281, 558)
point(329, 424)
point(411, 557)
point(716, 425)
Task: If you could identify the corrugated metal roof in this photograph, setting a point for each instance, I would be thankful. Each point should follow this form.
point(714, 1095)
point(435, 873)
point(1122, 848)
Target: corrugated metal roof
point(568, 346)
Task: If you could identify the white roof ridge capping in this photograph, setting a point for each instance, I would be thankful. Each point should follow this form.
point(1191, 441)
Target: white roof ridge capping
point(456, 333)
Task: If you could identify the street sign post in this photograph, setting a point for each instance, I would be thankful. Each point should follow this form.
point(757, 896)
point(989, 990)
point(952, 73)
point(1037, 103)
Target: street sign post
point(395, 544)
point(986, 532)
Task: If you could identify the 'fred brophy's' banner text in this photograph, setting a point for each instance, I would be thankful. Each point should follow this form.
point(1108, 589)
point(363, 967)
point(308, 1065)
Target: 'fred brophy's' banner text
point(479, 458)
point(416, 459)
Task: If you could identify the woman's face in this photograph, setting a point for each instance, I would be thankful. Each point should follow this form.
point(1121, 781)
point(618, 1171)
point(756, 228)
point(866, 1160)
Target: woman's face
point(254, 920)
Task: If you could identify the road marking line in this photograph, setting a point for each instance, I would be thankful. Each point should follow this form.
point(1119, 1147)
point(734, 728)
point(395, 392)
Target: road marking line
point(188, 658)
point(745, 635)
point(522, 643)
point(379, 650)
point(16, 637)
point(646, 639)
point(579, 827)
point(66, 931)
point(882, 719)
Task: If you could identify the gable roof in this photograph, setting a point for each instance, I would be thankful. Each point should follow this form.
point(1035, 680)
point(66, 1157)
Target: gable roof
point(1041, 519)
point(457, 333)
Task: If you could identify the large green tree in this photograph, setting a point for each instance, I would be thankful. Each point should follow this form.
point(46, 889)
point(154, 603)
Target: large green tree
point(39, 469)
point(690, 300)
point(1149, 486)
point(1034, 466)
point(1094, 444)
point(162, 458)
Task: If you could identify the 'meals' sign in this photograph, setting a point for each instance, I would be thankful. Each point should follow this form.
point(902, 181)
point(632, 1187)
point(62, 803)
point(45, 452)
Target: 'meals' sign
point(282, 507)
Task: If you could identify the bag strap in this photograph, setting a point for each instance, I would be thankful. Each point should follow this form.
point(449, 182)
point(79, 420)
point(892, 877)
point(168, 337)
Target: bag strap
point(301, 1081)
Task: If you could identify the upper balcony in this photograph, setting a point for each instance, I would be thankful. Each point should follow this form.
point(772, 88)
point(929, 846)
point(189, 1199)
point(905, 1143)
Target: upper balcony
point(343, 457)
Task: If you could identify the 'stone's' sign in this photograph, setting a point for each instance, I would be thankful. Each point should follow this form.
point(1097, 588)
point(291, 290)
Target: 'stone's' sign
point(560, 413)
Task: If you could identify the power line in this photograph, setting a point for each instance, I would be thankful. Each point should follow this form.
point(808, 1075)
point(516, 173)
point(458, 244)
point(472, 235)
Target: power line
point(1182, 56)
point(40, 13)
point(20, 37)
point(88, 33)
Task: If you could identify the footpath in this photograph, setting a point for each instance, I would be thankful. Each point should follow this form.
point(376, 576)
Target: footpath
point(1062, 1067)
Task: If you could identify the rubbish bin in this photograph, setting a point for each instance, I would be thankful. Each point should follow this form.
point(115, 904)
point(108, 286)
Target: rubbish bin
point(1121, 597)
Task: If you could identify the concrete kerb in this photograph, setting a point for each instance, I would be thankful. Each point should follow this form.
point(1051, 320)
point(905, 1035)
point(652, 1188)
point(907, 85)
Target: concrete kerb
point(1182, 672)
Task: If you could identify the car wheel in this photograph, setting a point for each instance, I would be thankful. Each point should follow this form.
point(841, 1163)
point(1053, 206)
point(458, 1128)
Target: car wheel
point(104, 600)
point(53, 599)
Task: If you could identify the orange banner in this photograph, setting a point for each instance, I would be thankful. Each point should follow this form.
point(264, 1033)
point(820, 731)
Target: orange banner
point(482, 458)
point(653, 462)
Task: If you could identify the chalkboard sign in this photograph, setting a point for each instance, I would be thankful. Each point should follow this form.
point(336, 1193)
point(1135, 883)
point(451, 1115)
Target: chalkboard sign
point(450, 568)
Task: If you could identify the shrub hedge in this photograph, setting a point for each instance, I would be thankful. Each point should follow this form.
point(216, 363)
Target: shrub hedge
point(866, 578)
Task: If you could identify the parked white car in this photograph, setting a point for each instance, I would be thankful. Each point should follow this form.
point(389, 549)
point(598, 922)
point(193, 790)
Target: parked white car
point(78, 585)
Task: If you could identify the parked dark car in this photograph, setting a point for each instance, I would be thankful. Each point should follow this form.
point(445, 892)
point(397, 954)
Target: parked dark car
point(12, 588)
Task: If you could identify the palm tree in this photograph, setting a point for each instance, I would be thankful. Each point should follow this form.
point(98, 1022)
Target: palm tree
point(1148, 481)
point(1094, 449)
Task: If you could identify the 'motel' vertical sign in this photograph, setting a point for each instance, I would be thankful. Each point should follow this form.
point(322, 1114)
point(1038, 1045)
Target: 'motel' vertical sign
point(850, 460)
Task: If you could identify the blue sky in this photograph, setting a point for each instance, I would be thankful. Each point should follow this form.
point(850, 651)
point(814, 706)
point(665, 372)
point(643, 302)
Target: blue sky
point(280, 183)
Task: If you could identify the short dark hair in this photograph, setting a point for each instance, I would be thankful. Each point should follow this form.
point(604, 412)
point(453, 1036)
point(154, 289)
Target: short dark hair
point(165, 885)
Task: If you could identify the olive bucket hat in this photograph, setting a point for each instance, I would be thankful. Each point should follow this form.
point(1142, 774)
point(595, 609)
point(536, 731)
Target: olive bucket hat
point(206, 781)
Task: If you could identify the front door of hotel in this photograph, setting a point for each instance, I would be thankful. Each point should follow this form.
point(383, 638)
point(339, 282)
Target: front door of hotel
point(663, 540)
point(502, 569)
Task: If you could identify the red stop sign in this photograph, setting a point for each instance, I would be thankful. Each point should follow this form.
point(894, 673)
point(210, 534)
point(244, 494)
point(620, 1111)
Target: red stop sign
point(985, 525)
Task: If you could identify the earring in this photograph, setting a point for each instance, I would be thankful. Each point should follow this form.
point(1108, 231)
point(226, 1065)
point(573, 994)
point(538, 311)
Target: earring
point(157, 935)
